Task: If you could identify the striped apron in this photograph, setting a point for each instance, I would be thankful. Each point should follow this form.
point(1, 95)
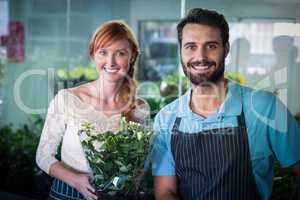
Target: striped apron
point(62, 191)
point(214, 164)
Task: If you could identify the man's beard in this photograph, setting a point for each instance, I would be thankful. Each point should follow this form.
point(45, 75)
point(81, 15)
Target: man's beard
point(204, 78)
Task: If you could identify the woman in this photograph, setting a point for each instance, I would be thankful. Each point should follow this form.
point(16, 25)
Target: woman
point(102, 102)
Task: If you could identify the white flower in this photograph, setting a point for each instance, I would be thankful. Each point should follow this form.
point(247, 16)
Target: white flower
point(84, 137)
point(139, 135)
point(131, 123)
point(97, 145)
point(93, 133)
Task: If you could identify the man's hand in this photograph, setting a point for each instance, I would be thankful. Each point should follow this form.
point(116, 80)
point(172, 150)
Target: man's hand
point(296, 170)
point(165, 188)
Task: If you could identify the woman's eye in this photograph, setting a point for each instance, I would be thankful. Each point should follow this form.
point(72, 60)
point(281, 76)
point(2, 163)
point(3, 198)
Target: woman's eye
point(102, 52)
point(121, 53)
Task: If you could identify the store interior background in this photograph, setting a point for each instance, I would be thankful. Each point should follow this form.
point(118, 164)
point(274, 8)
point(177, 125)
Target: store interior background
point(57, 34)
point(264, 37)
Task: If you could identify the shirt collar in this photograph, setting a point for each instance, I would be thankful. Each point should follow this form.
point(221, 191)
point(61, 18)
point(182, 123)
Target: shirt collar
point(232, 106)
point(184, 104)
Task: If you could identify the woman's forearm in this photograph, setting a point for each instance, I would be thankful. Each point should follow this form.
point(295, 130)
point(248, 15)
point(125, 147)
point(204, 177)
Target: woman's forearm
point(61, 172)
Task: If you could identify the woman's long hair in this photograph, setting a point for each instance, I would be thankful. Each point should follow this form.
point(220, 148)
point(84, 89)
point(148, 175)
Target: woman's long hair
point(105, 35)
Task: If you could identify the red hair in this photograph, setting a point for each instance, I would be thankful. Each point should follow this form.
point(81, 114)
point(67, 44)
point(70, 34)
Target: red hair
point(104, 36)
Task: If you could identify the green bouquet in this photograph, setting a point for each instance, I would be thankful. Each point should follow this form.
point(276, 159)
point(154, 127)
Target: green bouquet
point(119, 161)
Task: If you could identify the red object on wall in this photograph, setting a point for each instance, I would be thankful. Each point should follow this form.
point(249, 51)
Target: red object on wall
point(14, 42)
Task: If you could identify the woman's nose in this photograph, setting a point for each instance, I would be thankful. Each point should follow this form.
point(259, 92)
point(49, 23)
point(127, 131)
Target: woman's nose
point(111, 60)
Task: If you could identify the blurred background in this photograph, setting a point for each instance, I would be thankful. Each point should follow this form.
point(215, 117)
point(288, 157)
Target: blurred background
point(43, 48)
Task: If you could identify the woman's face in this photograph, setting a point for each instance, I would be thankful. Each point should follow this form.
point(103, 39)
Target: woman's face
point(113, 61)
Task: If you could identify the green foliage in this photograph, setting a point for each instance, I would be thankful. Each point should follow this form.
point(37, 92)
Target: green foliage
point(2, 68)
point(155, 105)
point(236, 77)
point(117, 160)
point(80, 72)
point(169, 91)
point(17, 155)
point(173, 79)
point(297, 116)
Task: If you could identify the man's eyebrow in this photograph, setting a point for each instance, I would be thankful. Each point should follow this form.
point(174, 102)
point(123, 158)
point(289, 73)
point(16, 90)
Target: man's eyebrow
point(188, 43)
point(212, 42)
point(208, 42)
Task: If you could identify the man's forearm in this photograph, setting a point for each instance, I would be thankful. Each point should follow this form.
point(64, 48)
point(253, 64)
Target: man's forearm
point(169, 196)
point(296, 169)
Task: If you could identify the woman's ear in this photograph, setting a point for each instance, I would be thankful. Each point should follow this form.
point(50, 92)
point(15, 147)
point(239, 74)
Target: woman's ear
point(133, 58)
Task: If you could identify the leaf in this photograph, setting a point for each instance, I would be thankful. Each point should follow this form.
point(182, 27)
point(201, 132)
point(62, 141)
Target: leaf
point(139, 135)
point(119, 163)
point(123, 169)
point(99, 177)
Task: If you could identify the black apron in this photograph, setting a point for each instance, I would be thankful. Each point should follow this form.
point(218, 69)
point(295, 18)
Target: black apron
point(62, 191)
point(214, 164)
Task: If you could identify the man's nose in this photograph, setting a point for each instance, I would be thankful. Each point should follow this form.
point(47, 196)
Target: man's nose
point(201, 53)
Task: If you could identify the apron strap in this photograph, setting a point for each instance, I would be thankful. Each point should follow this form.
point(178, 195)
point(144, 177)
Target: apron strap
point(176, 125)
point(241, 117)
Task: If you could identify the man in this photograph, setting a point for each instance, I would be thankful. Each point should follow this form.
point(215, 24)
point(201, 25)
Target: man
point(220, 139)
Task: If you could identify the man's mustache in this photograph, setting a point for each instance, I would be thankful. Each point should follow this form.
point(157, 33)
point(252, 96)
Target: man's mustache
point(201, 63)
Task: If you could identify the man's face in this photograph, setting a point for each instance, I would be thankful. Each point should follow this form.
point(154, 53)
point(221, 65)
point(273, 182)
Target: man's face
point(202, 53)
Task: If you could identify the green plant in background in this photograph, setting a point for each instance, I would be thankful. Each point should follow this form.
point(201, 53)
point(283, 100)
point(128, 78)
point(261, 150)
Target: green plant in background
point(17, 155)
point(67, 77)
point(80, 72)
point(170, 85)
point(236, 77)
point(297, 116)
point(167, 91)
point(3, 61)
point(2, 68)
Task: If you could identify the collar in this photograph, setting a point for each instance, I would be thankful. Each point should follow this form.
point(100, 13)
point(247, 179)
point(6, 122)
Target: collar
point(232, 105)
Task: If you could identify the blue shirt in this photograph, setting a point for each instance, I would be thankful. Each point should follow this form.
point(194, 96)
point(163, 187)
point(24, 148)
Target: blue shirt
point(272, 131)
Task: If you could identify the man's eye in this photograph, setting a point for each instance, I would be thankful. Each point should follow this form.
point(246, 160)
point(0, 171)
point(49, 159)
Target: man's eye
point(191, 47)
point(212, 46)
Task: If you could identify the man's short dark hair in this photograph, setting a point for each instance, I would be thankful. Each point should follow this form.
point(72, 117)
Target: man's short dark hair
point(205, 17)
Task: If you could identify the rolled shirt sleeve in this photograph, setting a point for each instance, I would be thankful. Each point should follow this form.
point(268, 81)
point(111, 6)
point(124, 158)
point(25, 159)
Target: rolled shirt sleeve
point(284, 135)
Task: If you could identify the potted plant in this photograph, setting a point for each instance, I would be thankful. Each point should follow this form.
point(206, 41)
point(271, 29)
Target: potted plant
point(119, 161)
